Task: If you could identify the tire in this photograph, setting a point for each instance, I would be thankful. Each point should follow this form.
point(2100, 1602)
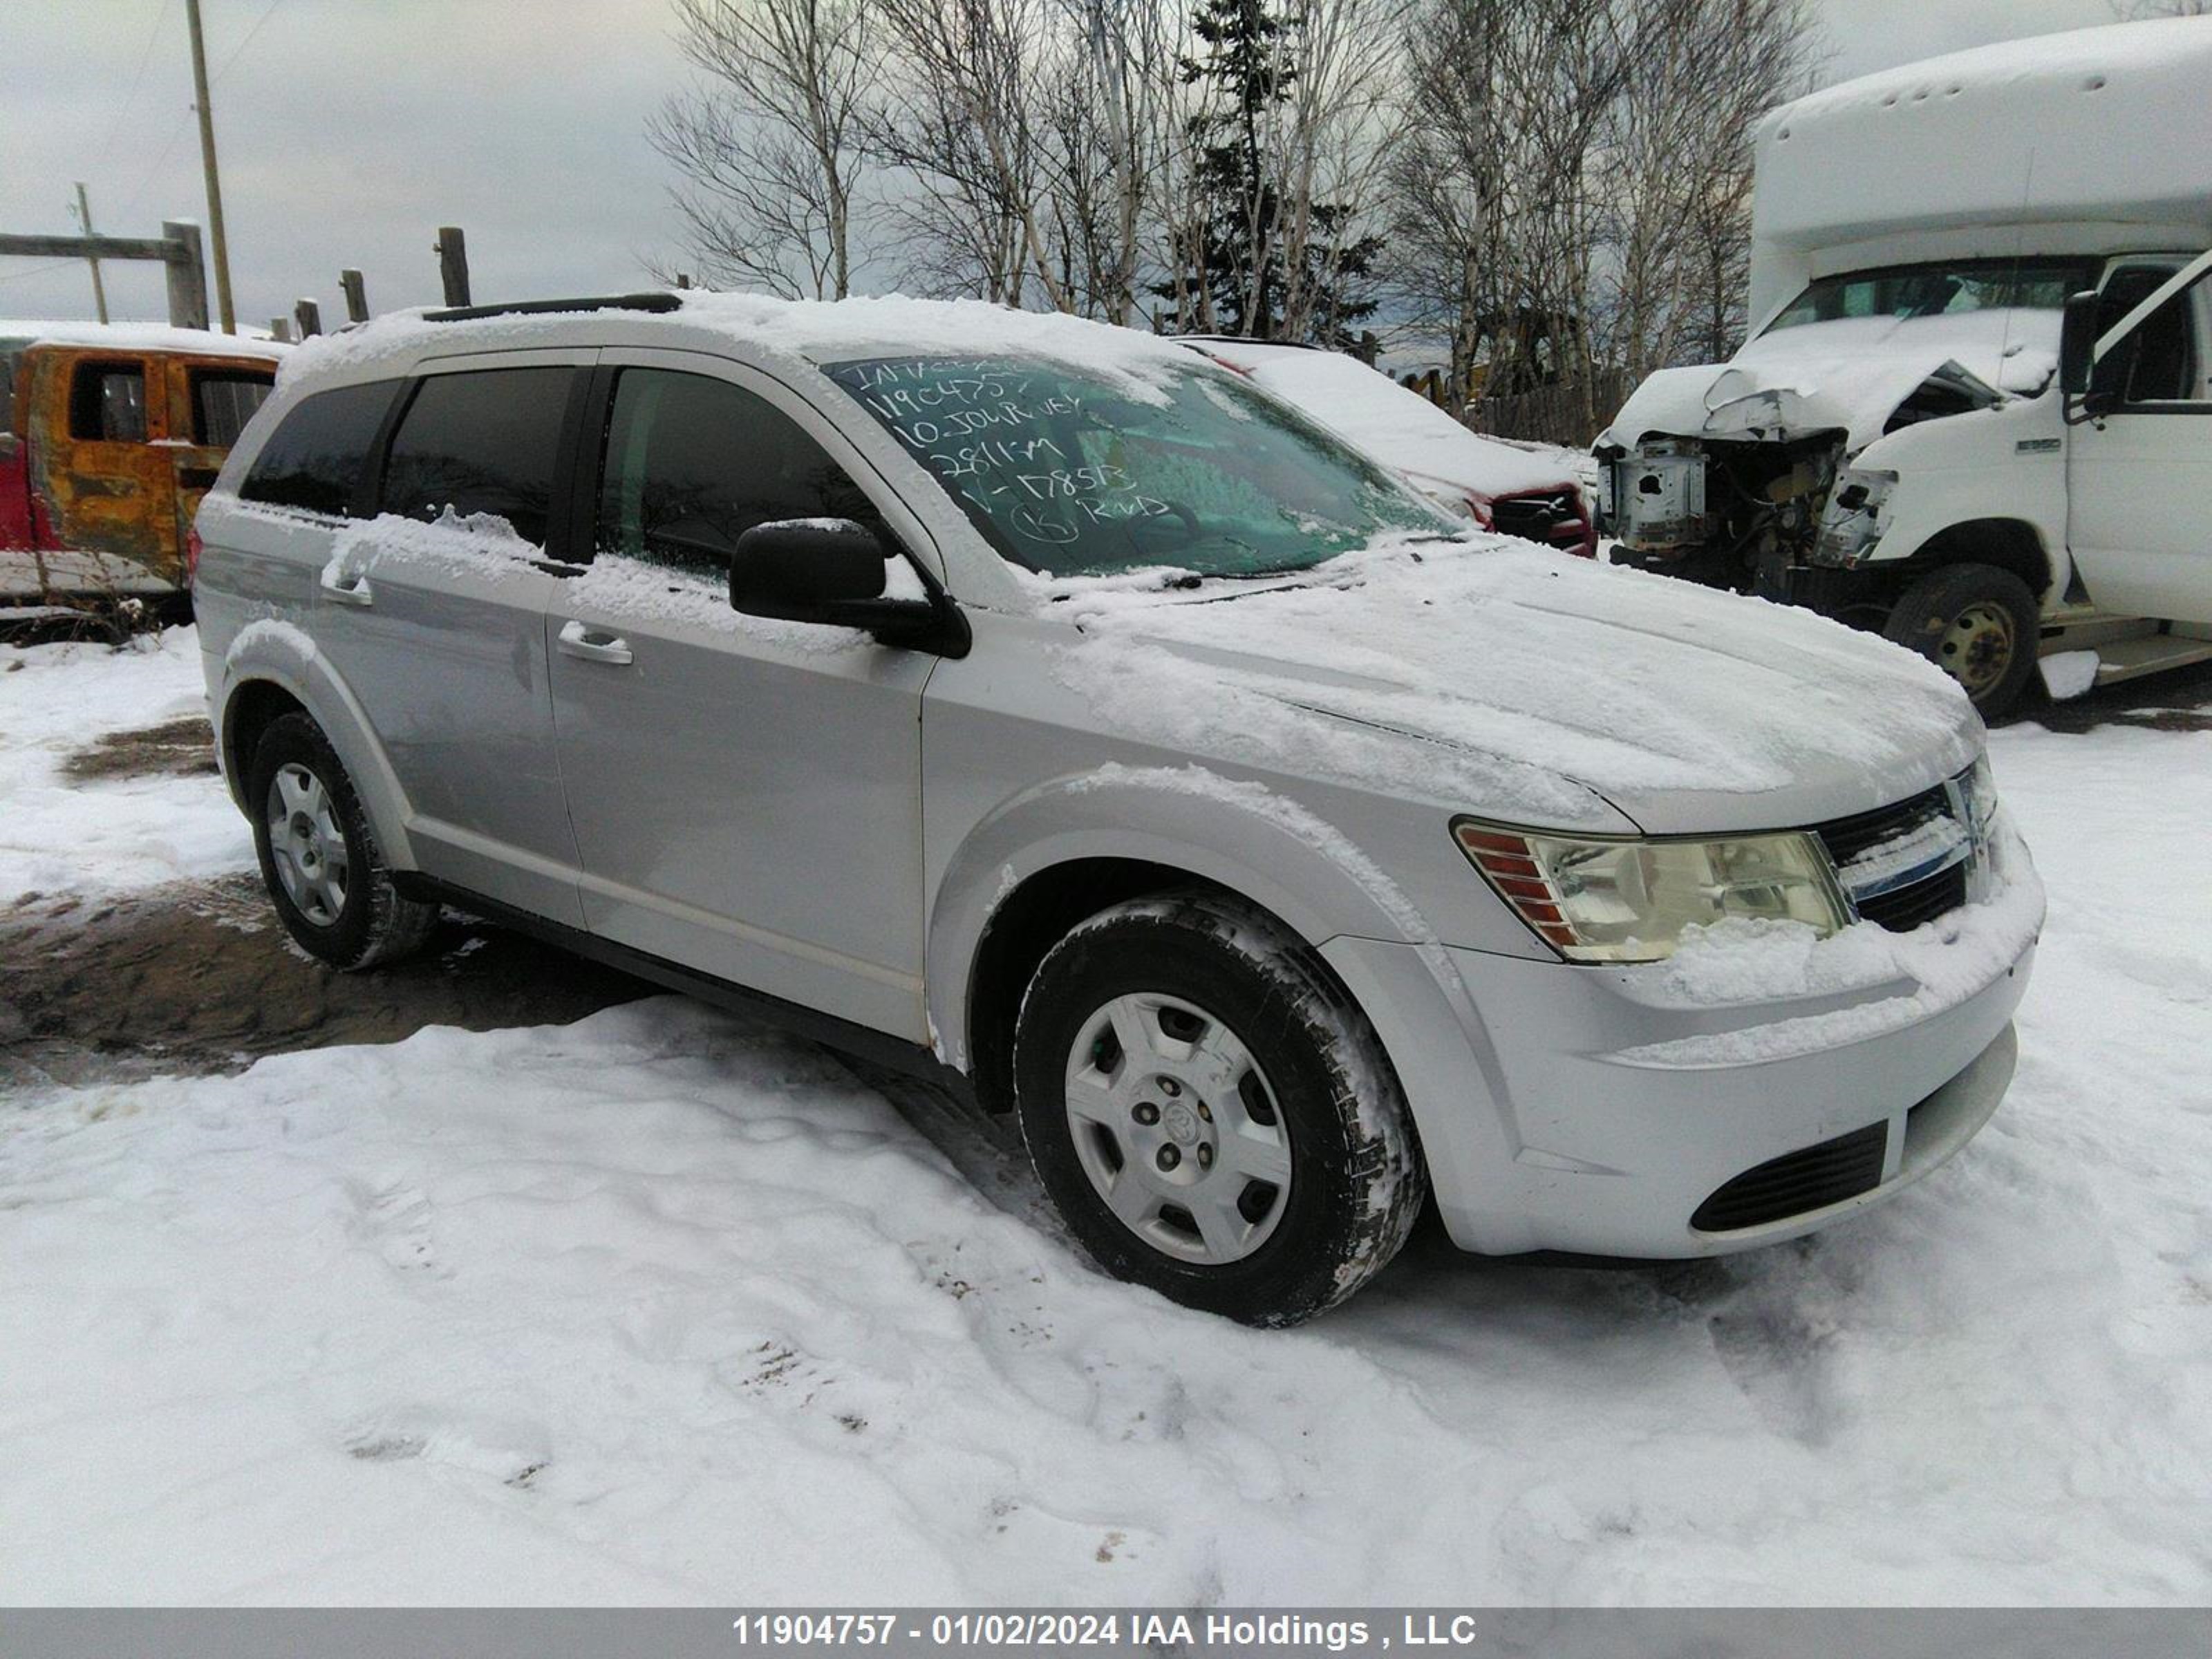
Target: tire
point(1979, 624)
point(1185, 1063)
point(307, 819)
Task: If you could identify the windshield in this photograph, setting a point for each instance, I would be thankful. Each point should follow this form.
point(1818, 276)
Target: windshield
point(1069, 473)
point(1939, 290)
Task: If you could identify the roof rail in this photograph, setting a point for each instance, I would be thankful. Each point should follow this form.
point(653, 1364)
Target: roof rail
point(527, 307)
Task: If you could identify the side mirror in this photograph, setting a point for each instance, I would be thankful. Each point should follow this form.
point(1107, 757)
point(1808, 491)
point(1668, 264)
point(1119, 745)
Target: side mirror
point(10, 445)
point(2077, 344)
point(832, 572)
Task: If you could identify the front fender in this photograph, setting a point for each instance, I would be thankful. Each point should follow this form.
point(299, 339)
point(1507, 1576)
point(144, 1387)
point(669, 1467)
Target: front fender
point(281, 654)
point(1238, 835)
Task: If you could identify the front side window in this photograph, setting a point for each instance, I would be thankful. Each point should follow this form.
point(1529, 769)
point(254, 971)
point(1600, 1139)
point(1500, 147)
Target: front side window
point(223, 401)
point(692, 463)
point(482, 442)
point(1065, 471)
point(2157, 362)
point(1939, 290)
point(107, 403)
point(314, 458)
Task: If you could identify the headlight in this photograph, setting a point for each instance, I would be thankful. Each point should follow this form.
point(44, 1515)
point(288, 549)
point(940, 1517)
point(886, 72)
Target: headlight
point(1853, 522)
point(1979, 787)
point(1630, 899)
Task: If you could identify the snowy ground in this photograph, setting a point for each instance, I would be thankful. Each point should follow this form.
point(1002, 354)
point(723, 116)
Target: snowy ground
point(658, 1306)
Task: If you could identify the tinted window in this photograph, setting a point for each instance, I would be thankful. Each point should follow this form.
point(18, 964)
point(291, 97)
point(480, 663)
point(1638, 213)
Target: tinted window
point(223, 401)
point(2157, 363)
point(693, 463)
point(1069, 472)
point(314, 460)
point(480, 442)
point(107, 401)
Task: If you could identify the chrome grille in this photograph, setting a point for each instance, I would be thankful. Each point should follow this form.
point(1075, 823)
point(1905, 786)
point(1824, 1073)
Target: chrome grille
point(1904, 865)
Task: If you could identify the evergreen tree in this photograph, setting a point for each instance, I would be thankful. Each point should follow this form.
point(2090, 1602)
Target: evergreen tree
point(1235, 253)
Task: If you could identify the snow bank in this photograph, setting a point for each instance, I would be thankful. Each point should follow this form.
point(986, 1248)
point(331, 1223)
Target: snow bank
point(1504, 680)
point(107, 835)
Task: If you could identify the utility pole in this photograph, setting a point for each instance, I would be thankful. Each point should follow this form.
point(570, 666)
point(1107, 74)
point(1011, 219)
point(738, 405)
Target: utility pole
point(99, 288)
point(207, 164)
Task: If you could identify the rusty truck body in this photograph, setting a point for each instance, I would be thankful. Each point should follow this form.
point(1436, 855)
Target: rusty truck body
point(109, 436)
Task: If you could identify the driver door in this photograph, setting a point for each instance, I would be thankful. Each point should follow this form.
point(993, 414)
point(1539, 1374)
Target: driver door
point(2137, 476)
point(746, 794)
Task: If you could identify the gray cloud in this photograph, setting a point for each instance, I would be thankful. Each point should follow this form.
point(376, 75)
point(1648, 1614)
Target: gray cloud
point(351, 129)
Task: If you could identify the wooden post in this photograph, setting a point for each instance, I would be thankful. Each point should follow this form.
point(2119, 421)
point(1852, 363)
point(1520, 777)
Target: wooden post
point(280, 328)
point(683, 277)
point(356, 296)
point(99, 288)
point(453, 264)
point(310, 317)
point(207, 164)
point(188, 299)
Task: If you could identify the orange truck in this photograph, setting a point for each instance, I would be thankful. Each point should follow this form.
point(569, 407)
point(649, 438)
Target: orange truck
point(109, 436)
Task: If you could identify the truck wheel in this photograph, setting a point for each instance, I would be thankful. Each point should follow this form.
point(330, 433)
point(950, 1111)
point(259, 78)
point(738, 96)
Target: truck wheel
point(1979, 624)
point(1210, 1113)
point(319, 859)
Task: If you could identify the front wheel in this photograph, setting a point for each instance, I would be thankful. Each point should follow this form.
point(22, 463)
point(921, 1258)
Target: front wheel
point(319, 857)
point(1210, 1115)
point(1979, 624)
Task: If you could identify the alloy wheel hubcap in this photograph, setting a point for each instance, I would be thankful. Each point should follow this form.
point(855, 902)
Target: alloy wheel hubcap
point(1178, 1128)
point(307, 845)
point(1977, 647)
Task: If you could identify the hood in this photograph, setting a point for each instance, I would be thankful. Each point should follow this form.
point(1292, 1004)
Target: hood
point(1849, 376)
point(1498, 680)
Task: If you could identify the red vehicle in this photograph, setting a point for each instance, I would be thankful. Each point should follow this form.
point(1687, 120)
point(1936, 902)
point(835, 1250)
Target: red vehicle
point(1516, 491)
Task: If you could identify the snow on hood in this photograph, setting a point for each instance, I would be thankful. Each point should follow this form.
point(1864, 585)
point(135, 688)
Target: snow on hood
point(1502, 681)
point(1848, 375)
point(1399, 428)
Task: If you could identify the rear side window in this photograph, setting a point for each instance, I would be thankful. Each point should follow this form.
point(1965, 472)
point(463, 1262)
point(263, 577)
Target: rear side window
point(107, 403)
point(483, 441)
point(693, 463)
point(314, 461)
point(223, 401)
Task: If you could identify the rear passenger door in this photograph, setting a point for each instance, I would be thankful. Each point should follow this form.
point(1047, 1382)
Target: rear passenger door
point(209, 404)
point(433, 613)
point(746, 794)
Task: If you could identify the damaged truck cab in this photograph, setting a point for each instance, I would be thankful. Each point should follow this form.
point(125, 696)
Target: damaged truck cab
point(1897, 445)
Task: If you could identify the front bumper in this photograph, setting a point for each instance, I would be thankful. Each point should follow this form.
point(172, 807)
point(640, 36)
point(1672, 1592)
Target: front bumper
point(1587, 1110)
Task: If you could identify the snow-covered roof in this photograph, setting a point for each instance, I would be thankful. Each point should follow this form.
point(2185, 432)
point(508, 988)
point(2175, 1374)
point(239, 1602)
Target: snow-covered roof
point(819, 330)
point(1375, 413)
point(143, 337)
point(2111, 124)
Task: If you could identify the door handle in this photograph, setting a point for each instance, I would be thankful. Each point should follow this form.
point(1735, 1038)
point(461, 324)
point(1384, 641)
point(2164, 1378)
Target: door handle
point(592, 644)
point(348, 589)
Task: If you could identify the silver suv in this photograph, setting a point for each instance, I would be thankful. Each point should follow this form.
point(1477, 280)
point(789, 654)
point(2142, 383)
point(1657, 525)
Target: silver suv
point(1040, 708)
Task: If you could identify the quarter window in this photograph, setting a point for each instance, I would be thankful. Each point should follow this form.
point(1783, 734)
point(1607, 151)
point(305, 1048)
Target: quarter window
point(314, 460)
point(107, 403)
point(223, 401)
point(483, 441)
point(693, 463)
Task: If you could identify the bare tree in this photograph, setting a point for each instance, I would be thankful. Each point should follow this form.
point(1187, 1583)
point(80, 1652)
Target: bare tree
point(770, 147)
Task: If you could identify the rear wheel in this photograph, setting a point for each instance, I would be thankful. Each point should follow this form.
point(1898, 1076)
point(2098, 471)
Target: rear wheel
point(1210, 1115)
point(319, 859)
point(1979, 624)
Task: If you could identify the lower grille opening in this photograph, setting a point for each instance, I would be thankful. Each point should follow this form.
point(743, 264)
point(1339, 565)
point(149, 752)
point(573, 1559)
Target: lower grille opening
point(1797, 1181)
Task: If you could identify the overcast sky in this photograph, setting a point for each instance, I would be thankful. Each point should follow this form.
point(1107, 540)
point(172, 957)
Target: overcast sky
point(350, 129)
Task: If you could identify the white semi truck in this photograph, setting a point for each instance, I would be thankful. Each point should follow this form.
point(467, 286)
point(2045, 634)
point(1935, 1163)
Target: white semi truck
point(1975, 410)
